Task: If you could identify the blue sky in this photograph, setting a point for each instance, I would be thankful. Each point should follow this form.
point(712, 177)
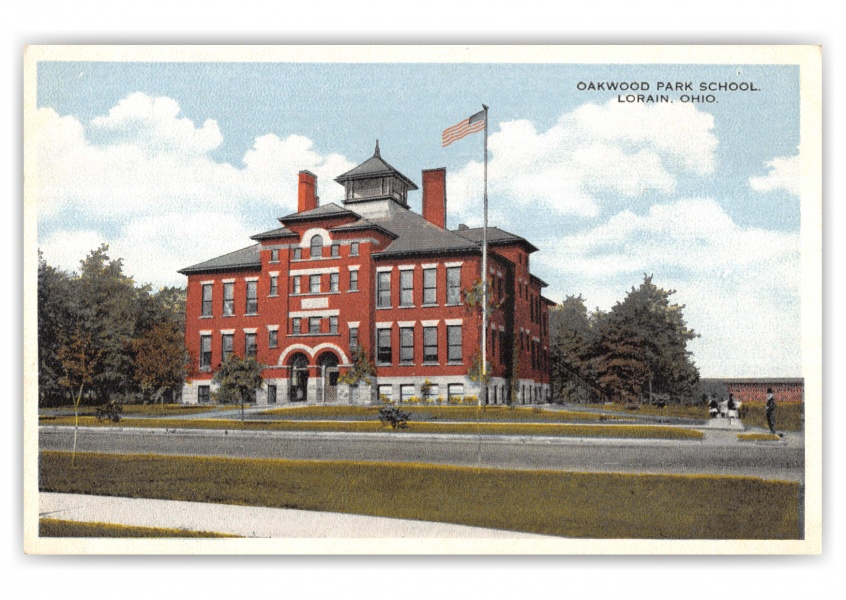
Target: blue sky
point(174, 163)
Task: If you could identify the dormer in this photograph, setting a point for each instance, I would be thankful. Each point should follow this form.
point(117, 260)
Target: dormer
point(374, 180)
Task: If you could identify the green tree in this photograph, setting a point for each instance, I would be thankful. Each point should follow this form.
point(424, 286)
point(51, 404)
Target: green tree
point(238, 378)
point(161, 361)
point(362, 368)
point(107, 307)
point(643, 345)
point(78, 356)
point(55, 322)
point(573, 339)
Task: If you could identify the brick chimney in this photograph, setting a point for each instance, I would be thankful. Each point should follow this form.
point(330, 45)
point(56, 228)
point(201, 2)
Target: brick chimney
point(434, 196)
point(307, 194)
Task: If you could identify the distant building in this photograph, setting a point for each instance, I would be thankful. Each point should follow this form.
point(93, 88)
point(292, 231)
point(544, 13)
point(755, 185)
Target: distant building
point(370, 274)
point(754, 389)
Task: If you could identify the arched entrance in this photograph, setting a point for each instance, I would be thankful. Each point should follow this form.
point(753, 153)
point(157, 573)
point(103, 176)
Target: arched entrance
point(298, 390)
point(328, 364)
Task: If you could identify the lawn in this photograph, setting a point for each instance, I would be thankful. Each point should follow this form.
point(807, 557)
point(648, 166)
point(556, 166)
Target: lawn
point(59, 528)
point(443, 413)
point(587, 505)
point(374, 426)
point(671, 410)
point(789, 417)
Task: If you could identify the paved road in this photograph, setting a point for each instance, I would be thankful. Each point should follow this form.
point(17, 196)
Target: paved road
point(719, 453)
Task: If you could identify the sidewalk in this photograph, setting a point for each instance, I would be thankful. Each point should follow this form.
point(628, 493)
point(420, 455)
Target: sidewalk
point(249, 521)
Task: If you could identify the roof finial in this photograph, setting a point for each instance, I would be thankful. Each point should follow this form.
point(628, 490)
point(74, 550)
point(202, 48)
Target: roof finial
point(376, 153)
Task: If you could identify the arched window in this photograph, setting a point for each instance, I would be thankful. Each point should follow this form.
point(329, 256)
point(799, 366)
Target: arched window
point(317, 246)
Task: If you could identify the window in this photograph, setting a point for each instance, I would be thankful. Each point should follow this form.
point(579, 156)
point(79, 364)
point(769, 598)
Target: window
point(335, 250)
point(353, 248)
point(314, 284)
point(298, 284)
point(274, 285)
point(353, 338)
point(271, 393)
point(205, 352)
point(383, 290)
point(203, 394)
point(272, 338)
point(252, 297)
point(228, 299)
point(296, 326)
point(250, 344)
point(406, 392)
point(454, 343)
point(226, 345)
point(383, 346)
point(406, 345)
point(207, 299)
point(386, 392)
point(317, 246)
point(406, 288)
point(454, 285)
point(298, 253)
point(430, 344)
point(353, 281)
point(455, 390)
point(430, 286)
point(314, 325)
point(333, 325)
point(333, 282)
point(274, 256)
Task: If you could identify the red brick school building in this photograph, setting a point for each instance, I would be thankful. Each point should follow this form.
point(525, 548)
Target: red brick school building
point(373, 274)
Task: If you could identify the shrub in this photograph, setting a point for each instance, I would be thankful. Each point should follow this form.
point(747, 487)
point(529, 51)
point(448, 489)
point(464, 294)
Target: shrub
point(394, 416)
point(385, 399)
point(110, 411)
point(471, 400)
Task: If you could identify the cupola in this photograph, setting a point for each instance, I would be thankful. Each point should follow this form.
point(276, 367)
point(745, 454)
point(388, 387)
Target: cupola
point(374, 179)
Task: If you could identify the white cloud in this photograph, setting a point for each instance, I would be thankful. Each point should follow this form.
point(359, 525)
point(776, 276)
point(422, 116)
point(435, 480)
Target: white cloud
point(740, 285)
point(622, 149)
point(783, 174)
point(141, 178)
point(153, 247)
point(142, 159)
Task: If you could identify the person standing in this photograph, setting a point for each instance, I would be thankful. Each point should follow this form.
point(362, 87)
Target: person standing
point(771, 408)
point(732, 408)
point(712, 407)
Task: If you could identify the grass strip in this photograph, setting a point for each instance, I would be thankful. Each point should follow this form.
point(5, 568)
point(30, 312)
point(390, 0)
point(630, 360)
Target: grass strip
point(758, 437)
point(590, 505)
point(671, 410)
point(544, 429)
point(449, 413)
point(73, 529)
point(152, 410)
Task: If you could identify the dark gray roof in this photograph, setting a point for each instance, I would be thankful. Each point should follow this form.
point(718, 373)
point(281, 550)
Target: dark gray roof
point(321, 212)
point(417, 235)
point(496, 236)
point(363, 225)
point(539, 280)
point(273, 233)
point(246, 258)
point(374, 167)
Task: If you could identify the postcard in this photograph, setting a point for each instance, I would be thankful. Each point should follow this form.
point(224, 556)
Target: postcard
point(423, 300)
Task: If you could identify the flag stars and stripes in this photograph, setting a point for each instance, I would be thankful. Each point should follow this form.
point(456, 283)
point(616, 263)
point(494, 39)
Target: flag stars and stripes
point(465, 127)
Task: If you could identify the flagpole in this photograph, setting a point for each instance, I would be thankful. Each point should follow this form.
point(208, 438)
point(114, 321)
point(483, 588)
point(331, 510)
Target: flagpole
point(484, 366)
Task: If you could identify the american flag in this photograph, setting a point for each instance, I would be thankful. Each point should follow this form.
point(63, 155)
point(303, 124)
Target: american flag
point(466, 127)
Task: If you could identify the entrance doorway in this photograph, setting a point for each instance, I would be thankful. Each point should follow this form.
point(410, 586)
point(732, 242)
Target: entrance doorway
point(298, 390)
point(328, 364)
